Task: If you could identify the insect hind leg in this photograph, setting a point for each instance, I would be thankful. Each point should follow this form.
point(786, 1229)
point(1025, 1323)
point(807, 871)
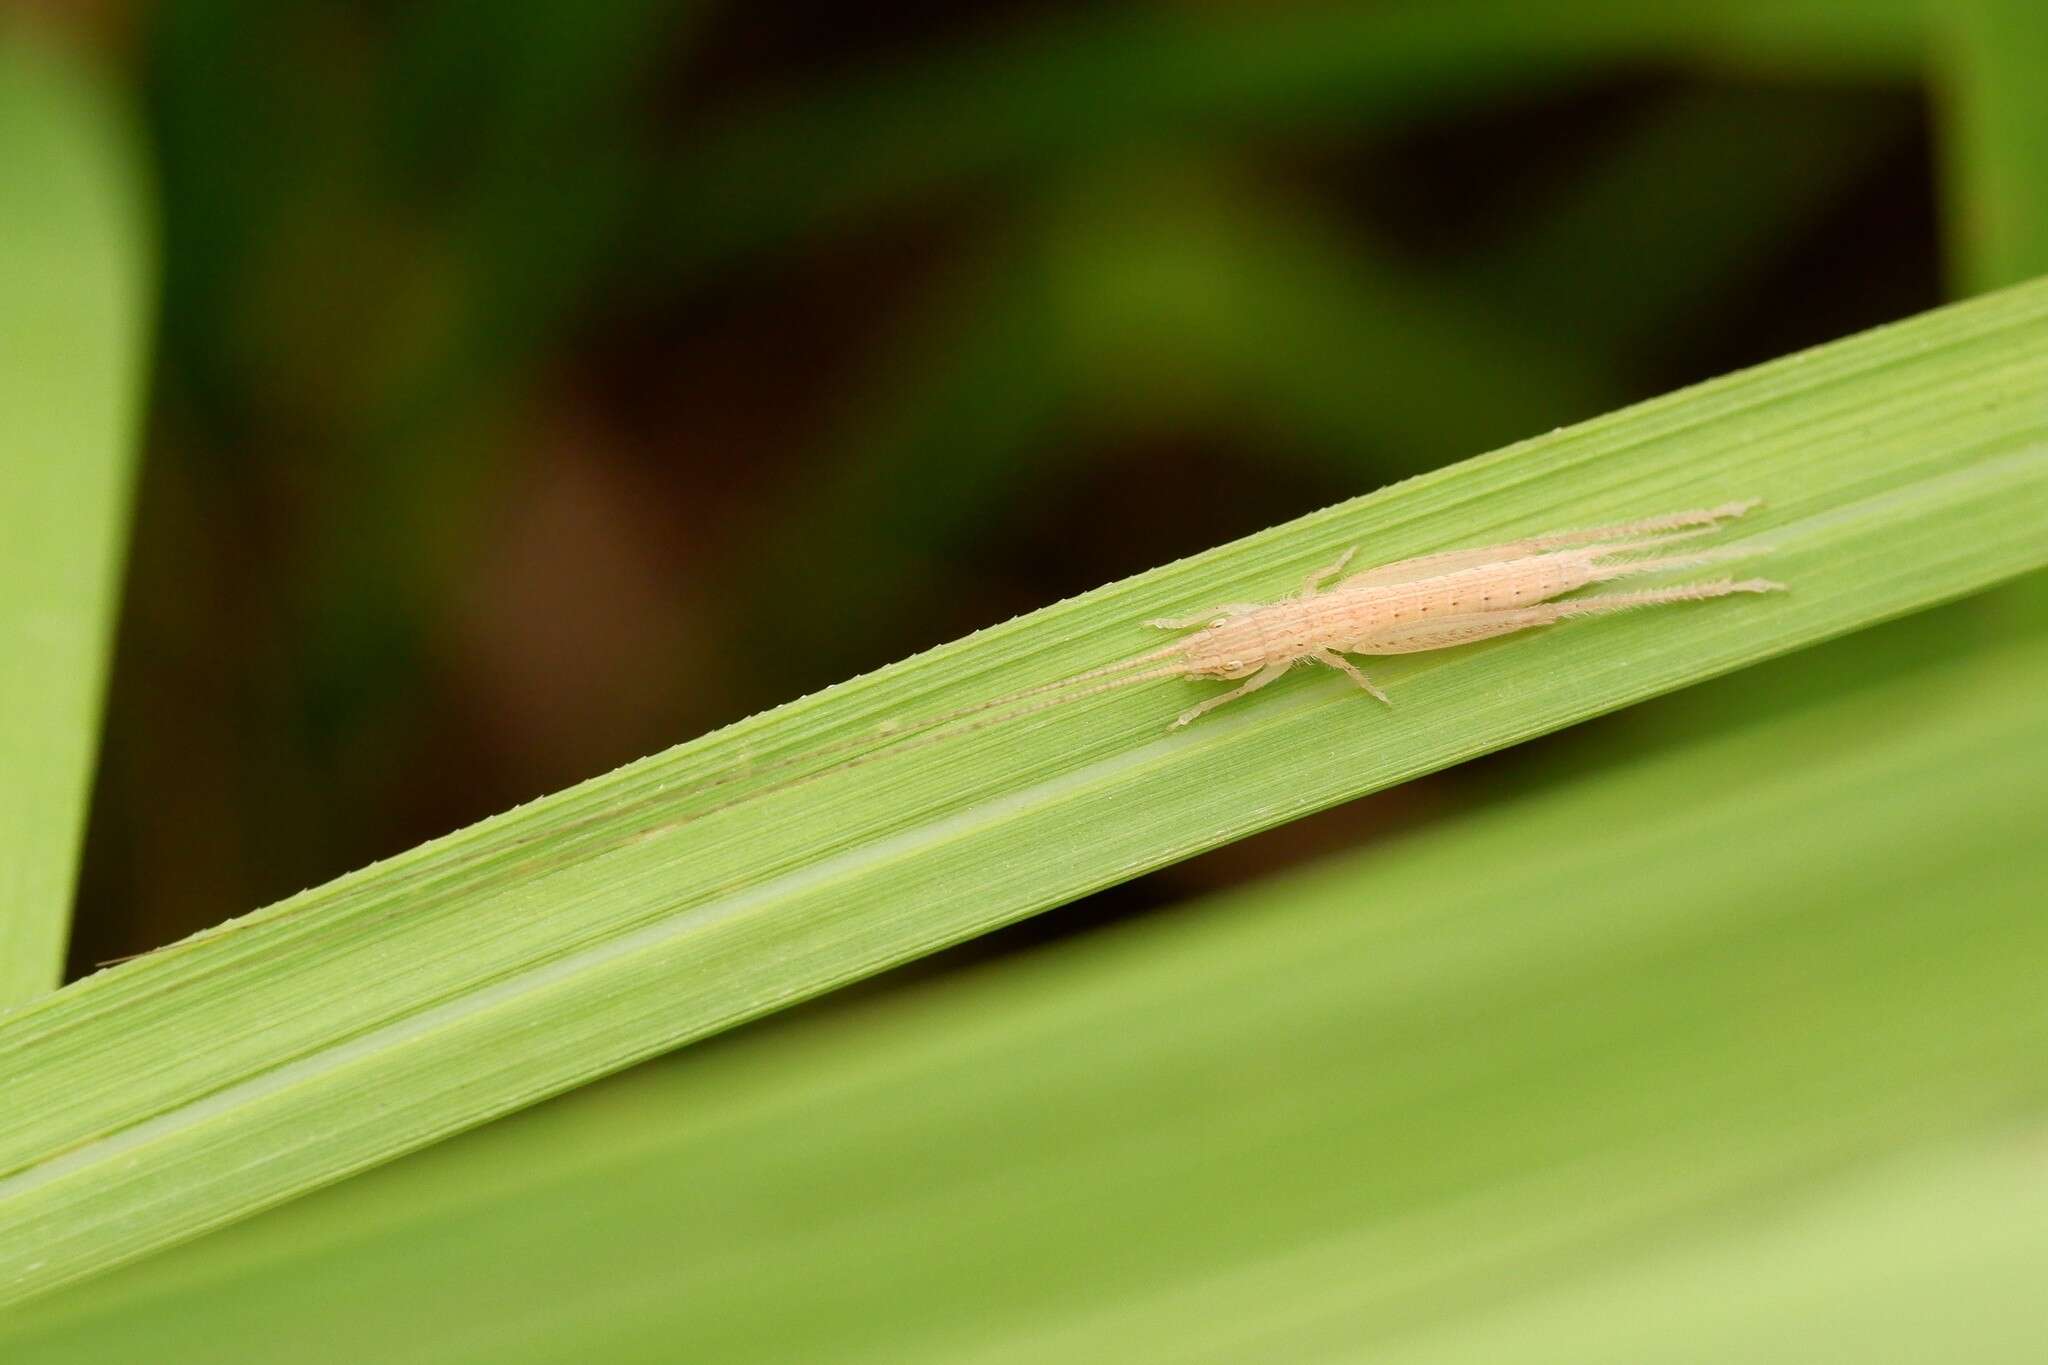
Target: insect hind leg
point(1650, 597)
point(1487, 625)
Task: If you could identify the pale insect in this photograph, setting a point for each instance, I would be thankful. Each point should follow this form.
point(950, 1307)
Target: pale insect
point(1454, 597)
point(1435, 601)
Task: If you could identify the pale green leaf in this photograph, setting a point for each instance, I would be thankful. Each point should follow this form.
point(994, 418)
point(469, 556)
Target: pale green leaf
point(74, 315)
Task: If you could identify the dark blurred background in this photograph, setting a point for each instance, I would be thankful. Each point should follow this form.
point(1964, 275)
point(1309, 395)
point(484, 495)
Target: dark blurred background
point(538, 386)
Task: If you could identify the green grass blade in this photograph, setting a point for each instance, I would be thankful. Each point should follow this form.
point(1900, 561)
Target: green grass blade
point(1996, 158)
point(1733, 1013)
point(1996, 105)
point(74, 313)
point(636, 912)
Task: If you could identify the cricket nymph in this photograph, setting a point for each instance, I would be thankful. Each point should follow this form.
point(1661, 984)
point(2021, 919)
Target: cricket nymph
point(1433, 602)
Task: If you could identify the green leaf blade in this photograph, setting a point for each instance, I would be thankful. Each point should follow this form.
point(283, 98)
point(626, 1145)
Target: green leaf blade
point(1594, 1040)
point(74, 316)
point(564, 940)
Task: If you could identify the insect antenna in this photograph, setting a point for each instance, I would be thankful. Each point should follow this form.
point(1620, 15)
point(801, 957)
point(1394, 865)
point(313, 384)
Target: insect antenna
point(892, 737)
point(926, 738)
point(1010, 698)
point(892, 734)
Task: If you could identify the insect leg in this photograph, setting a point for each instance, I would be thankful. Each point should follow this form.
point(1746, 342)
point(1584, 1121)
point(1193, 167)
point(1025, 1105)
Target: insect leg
point(1649, 597)
point(1202, 618)
point(1704, 517)
point(1343, 665)
point(1330, 570)
point(1247, 687)
point(1485, 625)
point(1659, 530)
point(1625, 568)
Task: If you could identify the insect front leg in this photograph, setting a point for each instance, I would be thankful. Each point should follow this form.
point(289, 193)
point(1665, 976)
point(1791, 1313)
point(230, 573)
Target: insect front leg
point(1330, 570)
point(1333, 659)
point(1246, 688)
point(1202, 618)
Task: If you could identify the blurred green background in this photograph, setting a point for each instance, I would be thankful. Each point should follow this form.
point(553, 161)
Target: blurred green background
point(538, 386)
